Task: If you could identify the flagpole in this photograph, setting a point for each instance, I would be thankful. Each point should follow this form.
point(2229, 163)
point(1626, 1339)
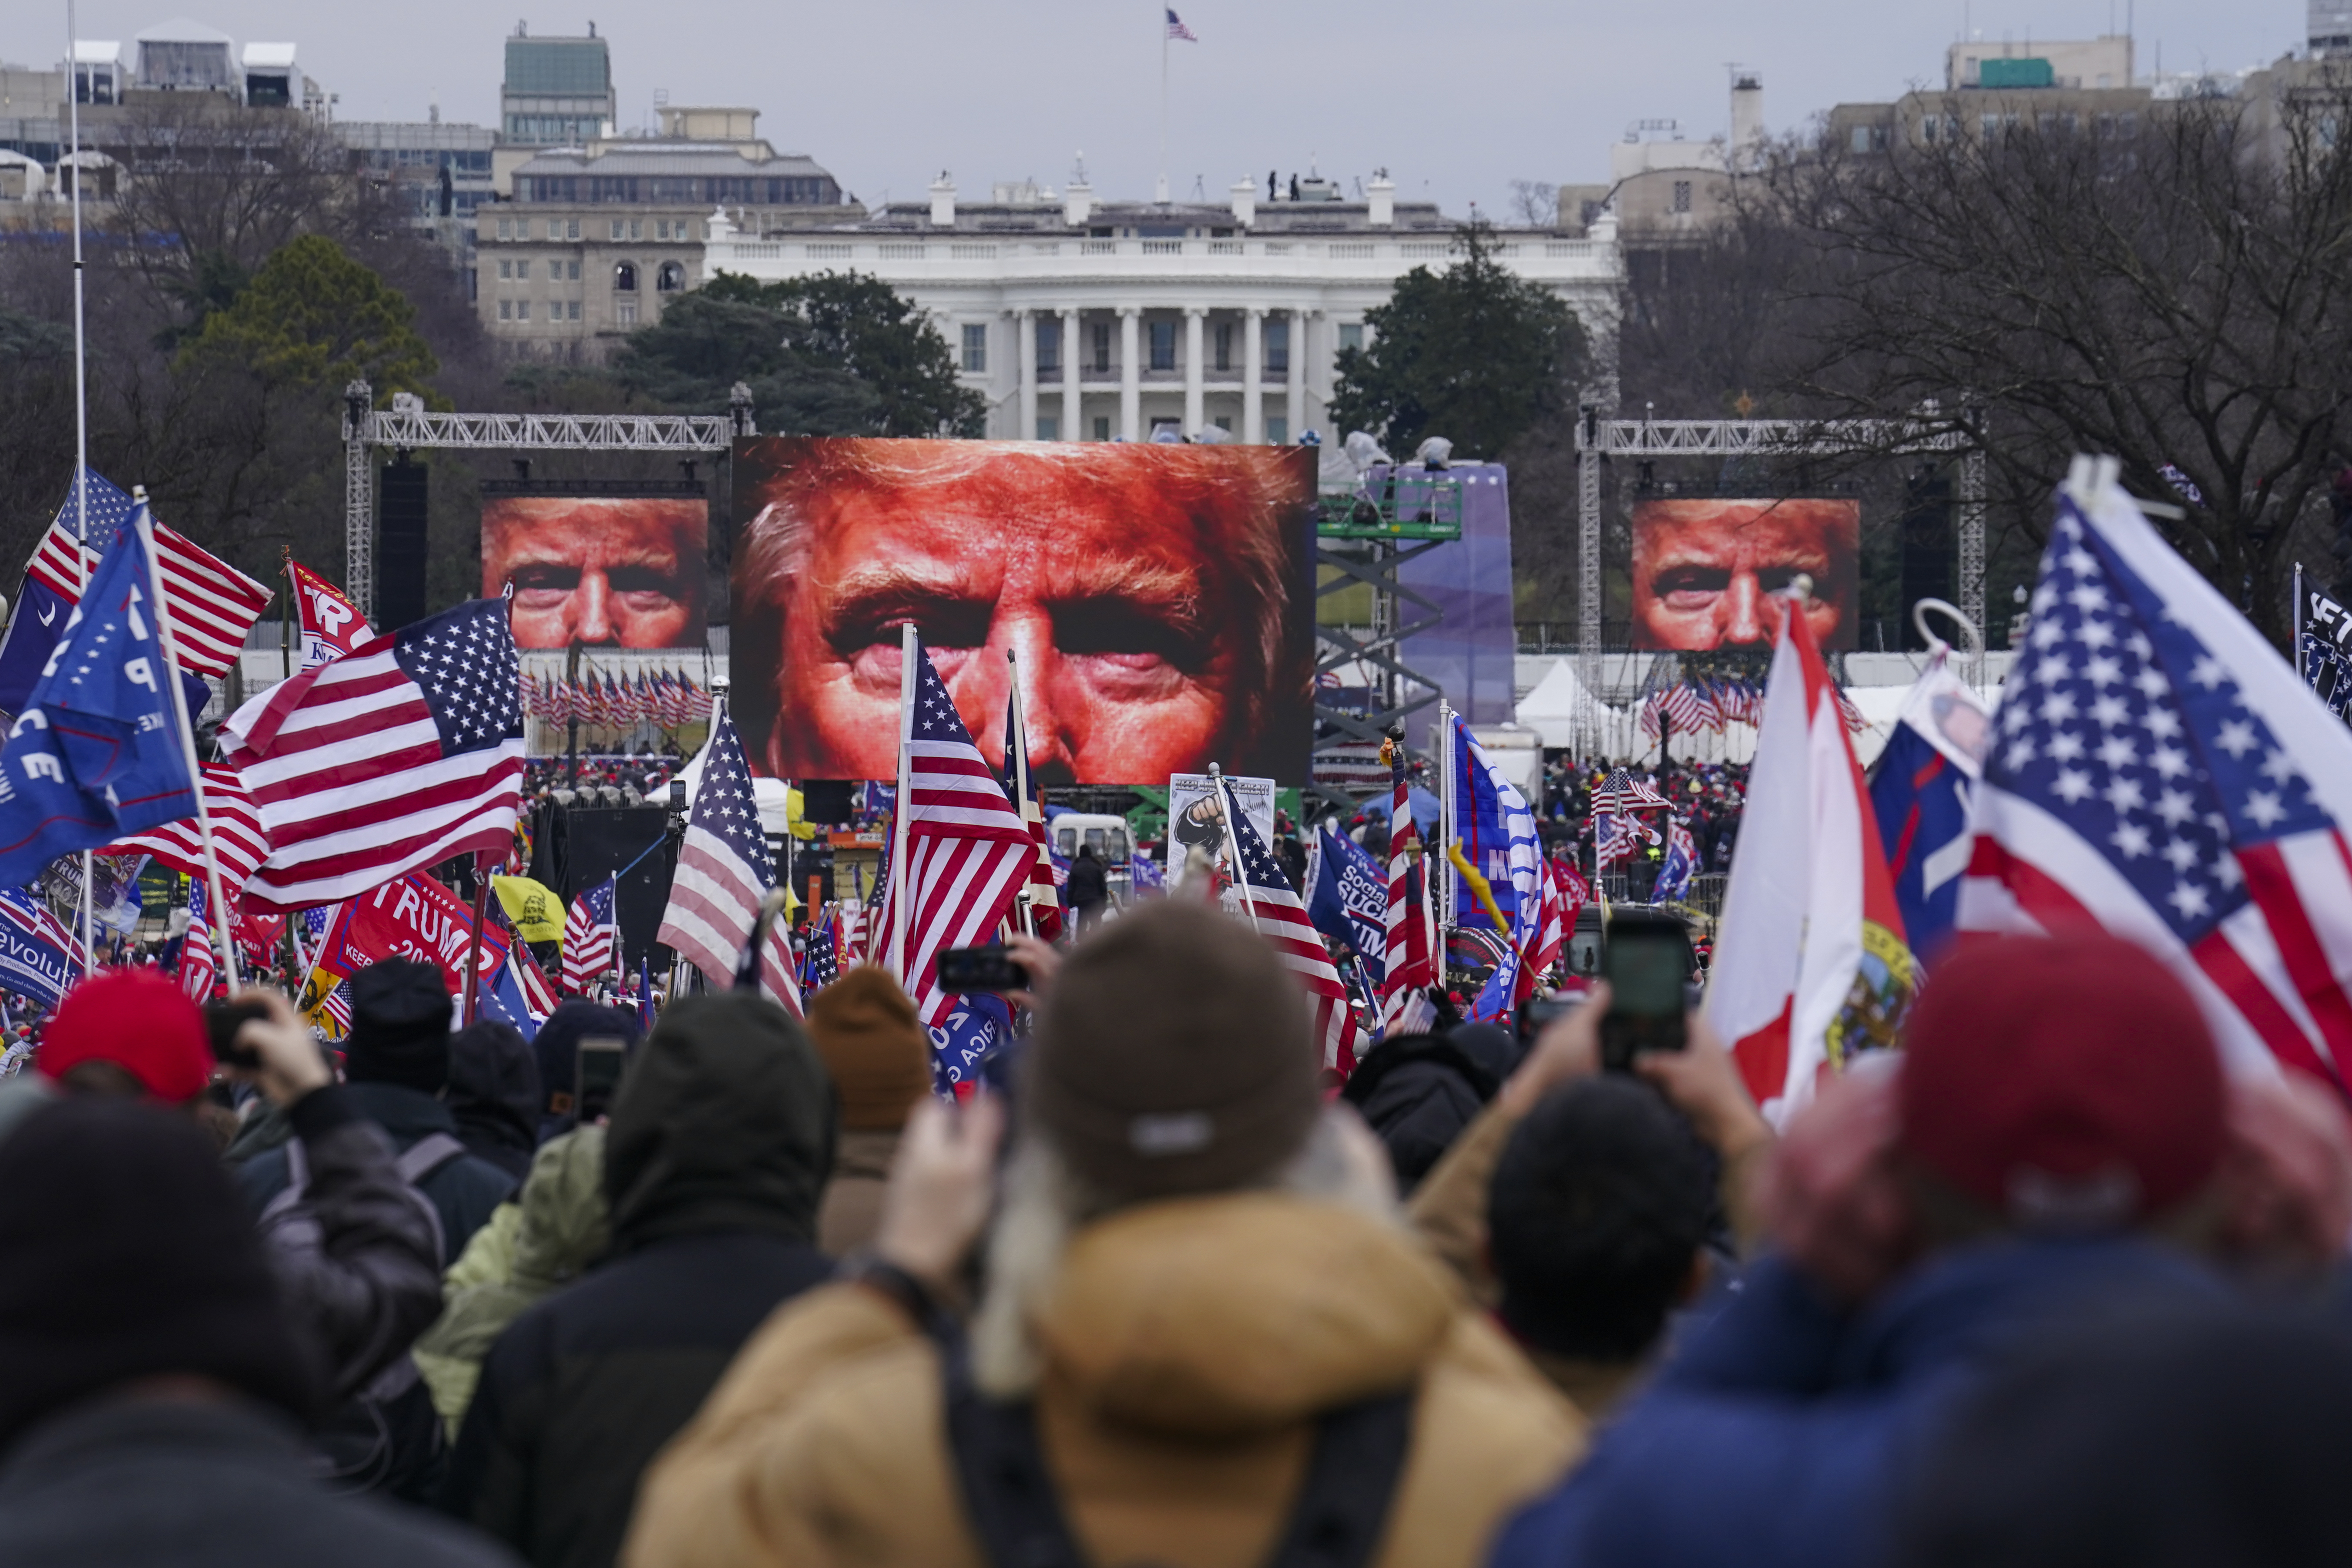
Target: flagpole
point(1018, 744)
point(1448, 832)
point(286, 622)
point(1232, 809)
point(1161, 11)
point(81, 417)
point(144, 521)
point(909, 646)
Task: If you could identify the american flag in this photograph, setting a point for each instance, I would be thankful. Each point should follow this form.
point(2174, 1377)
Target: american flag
point(2157, 768)
point(387, 760)
point(1041, 893)
point(1177, 29)
point(1282, 919)
point(1621, 791)
point(1710, 711)
point(588, 935)
point(724, 871)
point(822, 965)
point(213, 604)
point(537, 994)
point(1411, 968)
point(198, 964)
point(337, 1006)
point(1616, 835)
point(1680, 704)
point(967, 851)
point(239, 840)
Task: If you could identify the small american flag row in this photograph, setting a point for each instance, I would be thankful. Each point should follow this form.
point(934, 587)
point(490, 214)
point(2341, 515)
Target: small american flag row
point(668, 699)
point(387, 760)
point(1281, 918)
point(213, 604)
point(967, 851)
point(589, 937)
point(724, 871)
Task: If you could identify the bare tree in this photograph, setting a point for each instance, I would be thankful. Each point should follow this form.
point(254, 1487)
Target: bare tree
point(2170, 287)
point(1535, 204)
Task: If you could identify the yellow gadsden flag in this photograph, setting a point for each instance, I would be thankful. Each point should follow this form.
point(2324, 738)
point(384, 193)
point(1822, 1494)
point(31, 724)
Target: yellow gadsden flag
point(536, 911)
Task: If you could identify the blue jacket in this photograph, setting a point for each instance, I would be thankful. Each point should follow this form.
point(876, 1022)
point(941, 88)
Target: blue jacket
point(1782, 1434)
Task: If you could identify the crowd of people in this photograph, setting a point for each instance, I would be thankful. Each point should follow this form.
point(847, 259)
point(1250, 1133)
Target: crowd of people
point(2050, 1284)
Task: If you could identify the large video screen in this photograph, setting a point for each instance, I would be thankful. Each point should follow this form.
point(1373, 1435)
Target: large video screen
point(1702, 568)
point(608, 571)
point(1160, 599)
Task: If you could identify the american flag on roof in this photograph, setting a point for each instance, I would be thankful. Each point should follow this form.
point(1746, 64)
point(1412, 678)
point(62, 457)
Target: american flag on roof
point(724, 871)
point(588, 937)
point(1177, 29)
point(238, 838)
point(1281, 918)
point(385, 760)
point(967, 851)
point(2158, 769)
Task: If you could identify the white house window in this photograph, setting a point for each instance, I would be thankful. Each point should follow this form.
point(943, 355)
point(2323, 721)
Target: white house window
point(1277, 351)
point(1102, 426)
point(1225, 345)
point(1049, 427)
point(1102, 354)
point(1277, 430)
point(1352, 335)
point(975, 347)
point(1163, 345)
point(1049, 349)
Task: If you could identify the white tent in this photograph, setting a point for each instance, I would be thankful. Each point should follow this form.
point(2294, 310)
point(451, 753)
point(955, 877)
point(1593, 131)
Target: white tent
point(1556, 704)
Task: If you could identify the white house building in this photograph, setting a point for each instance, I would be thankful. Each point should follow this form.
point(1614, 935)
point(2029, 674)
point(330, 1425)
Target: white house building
point(1087, 320)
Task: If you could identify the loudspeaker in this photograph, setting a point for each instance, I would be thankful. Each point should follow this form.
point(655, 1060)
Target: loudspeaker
point(827, 801)
point(591, 844)
point(400, 545)
point(1927, 545)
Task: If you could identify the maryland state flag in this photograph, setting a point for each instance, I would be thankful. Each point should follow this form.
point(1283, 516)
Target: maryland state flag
point(1811, 966)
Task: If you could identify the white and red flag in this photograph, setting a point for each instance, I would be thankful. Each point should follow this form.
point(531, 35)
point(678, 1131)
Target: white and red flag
point(1271, 904)
point(384, 760)
point(239, 840)
point(1811, 966)
point(331, 625)
point(724, 871)
point(965, 851)
point(213, 604)
point(589, 929)
point(2157, 768)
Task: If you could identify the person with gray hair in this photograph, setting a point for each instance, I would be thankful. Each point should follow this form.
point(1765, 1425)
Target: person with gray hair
point(1152, 595)
point(1202, 1333)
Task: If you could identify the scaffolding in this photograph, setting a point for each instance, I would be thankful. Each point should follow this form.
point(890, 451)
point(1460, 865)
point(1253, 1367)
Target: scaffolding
point(1599, 439)
point(408, 427)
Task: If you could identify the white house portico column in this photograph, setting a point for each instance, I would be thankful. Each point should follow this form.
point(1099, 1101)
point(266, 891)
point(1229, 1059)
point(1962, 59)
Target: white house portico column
point(1253, 373)
point(1294, 390)
point(1131, 372)
point(1071, 430)
point(1024, 328)
point(1195, 413)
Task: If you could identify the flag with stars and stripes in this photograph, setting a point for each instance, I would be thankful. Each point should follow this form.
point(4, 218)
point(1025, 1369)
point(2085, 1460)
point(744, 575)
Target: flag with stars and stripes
point(390, 758)
point(199, 965)
point(1410, 968)
point(589, 936)
point(1273, 906)
point(967, 851)
point(821, 966)
point(1042, 893)
point(1178, 30)
point(724, 871)
point(239, 841)
point(213, 604)
point(2156, 767)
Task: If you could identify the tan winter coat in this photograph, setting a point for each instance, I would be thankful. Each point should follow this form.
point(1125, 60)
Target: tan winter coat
point(1189, 1346)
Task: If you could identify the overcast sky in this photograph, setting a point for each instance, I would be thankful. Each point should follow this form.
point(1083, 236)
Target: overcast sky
point(1456, 100)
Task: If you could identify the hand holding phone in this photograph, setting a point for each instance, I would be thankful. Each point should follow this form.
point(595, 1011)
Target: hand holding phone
point(981, 969)
point(1646, 958)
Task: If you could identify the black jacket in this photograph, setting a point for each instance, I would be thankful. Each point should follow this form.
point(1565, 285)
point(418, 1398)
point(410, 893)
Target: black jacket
point(1088, 885)
point(375, 1282)
point(720, 1140)
point(463, 1191)
point(126, 1483)
point(1418, 1092)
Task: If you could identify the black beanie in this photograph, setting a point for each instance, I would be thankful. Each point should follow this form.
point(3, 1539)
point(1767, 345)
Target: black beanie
point(129, 1256)
point(400, 1025)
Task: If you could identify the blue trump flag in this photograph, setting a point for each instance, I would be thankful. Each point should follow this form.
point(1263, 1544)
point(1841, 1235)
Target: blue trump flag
point(98, 752)
point(978, 1021)
point(1919, 791)
point(39, 957)
point(1347, 899)
point(1497, 829)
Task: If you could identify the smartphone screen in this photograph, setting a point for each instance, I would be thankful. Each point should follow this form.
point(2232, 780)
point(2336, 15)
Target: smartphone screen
point(1646, 974)
point(1646, 959)
point(597, 1074)
point(979, 969)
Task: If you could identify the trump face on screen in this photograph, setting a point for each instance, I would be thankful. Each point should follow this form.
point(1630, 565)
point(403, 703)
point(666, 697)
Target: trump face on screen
point(1154, 595)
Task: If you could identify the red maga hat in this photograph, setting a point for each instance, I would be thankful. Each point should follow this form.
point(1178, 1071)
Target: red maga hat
point(140, 1021)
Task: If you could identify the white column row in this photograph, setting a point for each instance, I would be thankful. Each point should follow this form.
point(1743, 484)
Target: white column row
point(1130, 371)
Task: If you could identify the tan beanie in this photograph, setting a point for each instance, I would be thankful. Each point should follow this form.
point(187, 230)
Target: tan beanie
point(874, 1046)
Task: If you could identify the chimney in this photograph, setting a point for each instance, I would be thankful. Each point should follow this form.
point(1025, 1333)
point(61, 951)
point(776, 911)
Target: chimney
point(1077, 202)
point(1245, 201)
point(1747, 114)
point(943, 201)
point(1382, 194)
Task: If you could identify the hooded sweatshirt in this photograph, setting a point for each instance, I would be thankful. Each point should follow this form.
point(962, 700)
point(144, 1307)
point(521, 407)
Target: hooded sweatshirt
point(1189, 1348)
point(720, 1140)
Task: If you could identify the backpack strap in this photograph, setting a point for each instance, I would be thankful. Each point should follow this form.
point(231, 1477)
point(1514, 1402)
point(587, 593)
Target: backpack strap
point(426, 1155)
point(1336, 1521)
